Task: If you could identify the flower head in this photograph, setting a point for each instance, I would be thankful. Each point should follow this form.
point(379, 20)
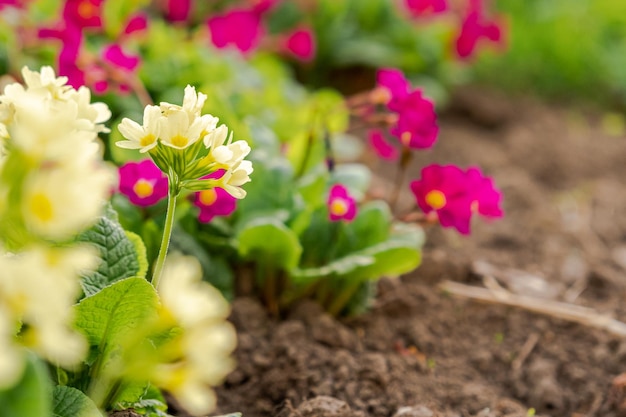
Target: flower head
point(241, 28)
point(475, 27)
point(214, 201)
point(341, 205)
point(454, 195)
point(143, 137)
point(443, 189)
point(419, 8)
point(417, 122)
point(83, 13)
point(142, 182)
point(201, 353)
point(392, 86)
point(301, 44)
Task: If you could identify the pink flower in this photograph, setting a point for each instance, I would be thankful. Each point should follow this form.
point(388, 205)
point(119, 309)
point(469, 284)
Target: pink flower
point(83, 13)
point(115, 55)
point(486, 197)
point(341, 205)
point(417, 122)
point(380, 145)
point(240, 28)
point(454, 195)
point(422, 7)
point(178, 10)
point(136, 24)
point(214, 202)
point(443, 189)
point(301, 44)
point(393, 85)
point(142, 182)
point(475, 27)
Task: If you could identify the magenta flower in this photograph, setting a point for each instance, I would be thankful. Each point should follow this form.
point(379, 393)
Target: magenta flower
point(444, 190)
point(214, 202)
point(136, 24)
point(417, 122)
point(115, 55)
point(486, 198)
point(83, 13)
point(341, 205)
point(301, 44)
point(142, 182)
point(475, 27)
point(394, 86)
point(178, 10)
point(240, 28)
point(380, 145)
point(424, 7)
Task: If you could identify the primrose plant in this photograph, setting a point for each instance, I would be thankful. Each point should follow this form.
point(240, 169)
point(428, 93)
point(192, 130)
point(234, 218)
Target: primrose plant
point(83, 332)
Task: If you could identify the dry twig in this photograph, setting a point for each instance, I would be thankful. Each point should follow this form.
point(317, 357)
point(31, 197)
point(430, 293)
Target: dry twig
point(578, 314)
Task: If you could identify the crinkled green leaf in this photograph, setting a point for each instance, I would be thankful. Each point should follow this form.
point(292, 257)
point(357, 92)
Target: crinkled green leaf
point(108, 317)
point(140, 251)
point(269, 241)
point(70, 402)
point(30, 397)
point(119, 255)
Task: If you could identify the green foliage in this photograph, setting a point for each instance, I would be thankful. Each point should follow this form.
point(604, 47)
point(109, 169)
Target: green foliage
point(31, 396)
point(122, 254)
point(70, 402)
point(270, 243)
point(562, 48)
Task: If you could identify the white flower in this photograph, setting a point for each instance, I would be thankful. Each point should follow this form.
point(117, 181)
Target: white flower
point(47, 81)
point(192, 102)
point(216, 137)
point(140, 137)
point(207, 339)
point(38, 288)
point(61, 201)
point(11, 358)
point(179, 132)
point(233, 179)
point(92, 115)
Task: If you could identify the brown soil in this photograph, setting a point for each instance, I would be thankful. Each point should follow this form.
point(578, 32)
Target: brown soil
point(421, 352)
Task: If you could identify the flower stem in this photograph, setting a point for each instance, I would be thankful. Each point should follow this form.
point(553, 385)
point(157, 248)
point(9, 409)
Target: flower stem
point(167, 232)
point(342, 299)
point(403, 164)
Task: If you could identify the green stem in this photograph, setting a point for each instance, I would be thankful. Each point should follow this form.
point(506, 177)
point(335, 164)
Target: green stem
point(167, 232)
point(339, 303)
point(405, 158)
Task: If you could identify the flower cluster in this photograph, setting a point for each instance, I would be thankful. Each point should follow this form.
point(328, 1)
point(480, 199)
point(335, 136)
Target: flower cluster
point(413, 122)
point(112, 66)
point(188, 146)
point(53, 185)
point(198, 357)
point(455, 195)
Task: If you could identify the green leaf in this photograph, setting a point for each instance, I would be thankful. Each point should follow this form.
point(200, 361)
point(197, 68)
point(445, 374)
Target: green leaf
point(31, 395)
point(70, 402)
point(338, 267)
point(110, 316)
point(140, 251)
point(118, 253)
point(269, 241)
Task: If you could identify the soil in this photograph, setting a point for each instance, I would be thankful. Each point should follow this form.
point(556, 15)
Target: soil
point(421, 352)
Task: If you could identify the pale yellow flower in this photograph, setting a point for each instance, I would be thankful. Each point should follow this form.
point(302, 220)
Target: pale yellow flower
point(11, 357)
point(60, 201)
point(37, 288)
point(207, 339)
point(141, 137)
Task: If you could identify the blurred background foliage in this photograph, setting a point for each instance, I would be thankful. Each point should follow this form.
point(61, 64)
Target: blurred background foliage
point(571, 50)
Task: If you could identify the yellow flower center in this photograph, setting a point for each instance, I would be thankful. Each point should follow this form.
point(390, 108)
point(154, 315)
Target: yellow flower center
point(86, 10)
point(208, 197)
point(474, 206)
point(436, 199)
point(41, 207)
point(143, 188)
point(405, 138)
point(339, 207)
point(147, 140)
point(179, 141)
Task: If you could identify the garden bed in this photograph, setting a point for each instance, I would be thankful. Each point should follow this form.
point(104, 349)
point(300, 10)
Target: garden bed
point(562, 177)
